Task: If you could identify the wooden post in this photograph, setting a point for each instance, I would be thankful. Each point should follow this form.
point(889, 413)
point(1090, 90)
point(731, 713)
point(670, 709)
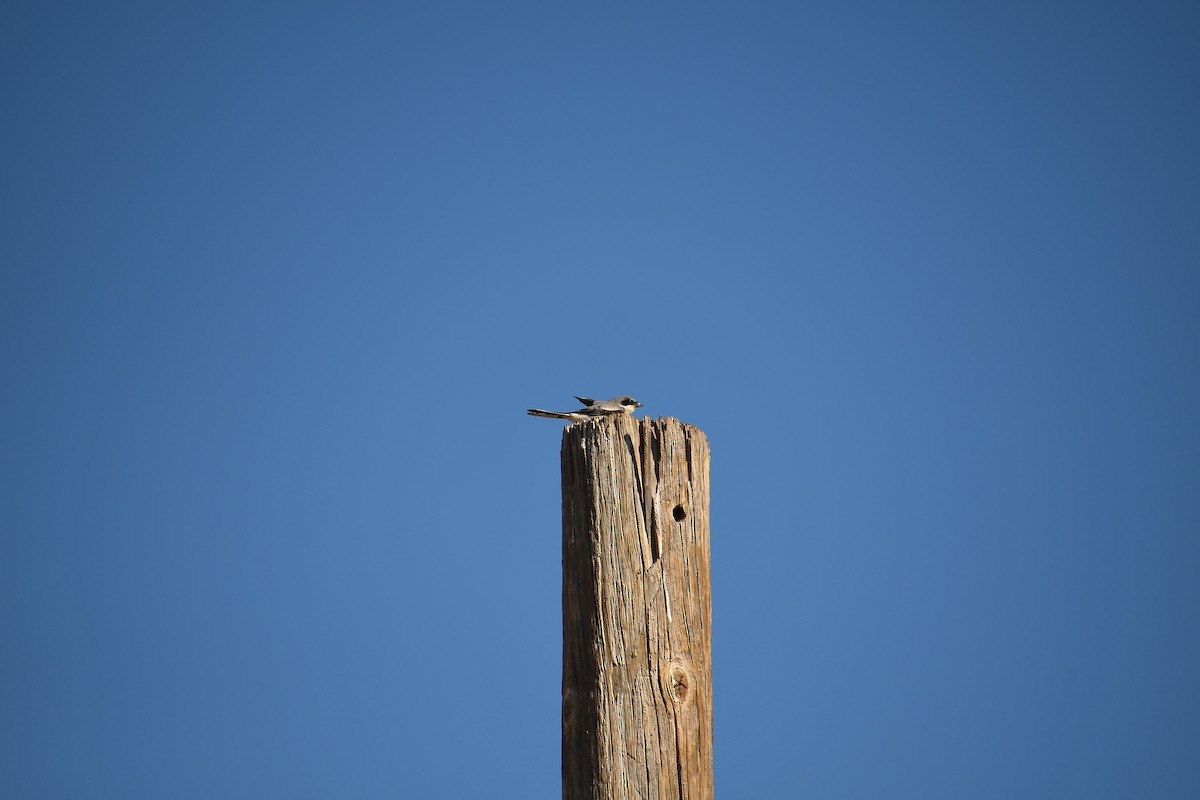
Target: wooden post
point(637, 611)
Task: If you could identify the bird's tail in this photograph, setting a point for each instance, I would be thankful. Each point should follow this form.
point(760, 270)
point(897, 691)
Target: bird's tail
point(538, 412)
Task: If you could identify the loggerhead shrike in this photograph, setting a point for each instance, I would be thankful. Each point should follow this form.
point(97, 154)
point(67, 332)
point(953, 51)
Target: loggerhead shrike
point(591, 409)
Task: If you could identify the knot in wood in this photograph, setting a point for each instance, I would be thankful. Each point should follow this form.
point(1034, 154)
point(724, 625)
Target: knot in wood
point(677, 683)
point(568, 712)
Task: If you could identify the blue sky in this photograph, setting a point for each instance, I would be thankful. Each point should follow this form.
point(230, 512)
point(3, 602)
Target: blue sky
point(279, 281)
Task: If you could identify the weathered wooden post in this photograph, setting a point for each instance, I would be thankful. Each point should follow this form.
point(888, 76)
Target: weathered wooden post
point(637, 611)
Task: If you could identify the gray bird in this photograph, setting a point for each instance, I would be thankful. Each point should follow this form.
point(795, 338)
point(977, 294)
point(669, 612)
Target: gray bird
point(591, 409)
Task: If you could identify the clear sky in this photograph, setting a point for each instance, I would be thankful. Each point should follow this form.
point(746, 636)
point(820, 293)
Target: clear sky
point(279, 281)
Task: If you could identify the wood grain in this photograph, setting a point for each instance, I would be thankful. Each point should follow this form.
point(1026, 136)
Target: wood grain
point(637, 611)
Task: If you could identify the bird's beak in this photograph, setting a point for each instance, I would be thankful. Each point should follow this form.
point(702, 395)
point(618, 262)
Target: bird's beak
point(637, 405)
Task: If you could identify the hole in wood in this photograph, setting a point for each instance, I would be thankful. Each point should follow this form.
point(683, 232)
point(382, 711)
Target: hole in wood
point(679, 514)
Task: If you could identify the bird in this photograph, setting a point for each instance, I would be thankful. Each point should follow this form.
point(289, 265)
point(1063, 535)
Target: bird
point(592, 409)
